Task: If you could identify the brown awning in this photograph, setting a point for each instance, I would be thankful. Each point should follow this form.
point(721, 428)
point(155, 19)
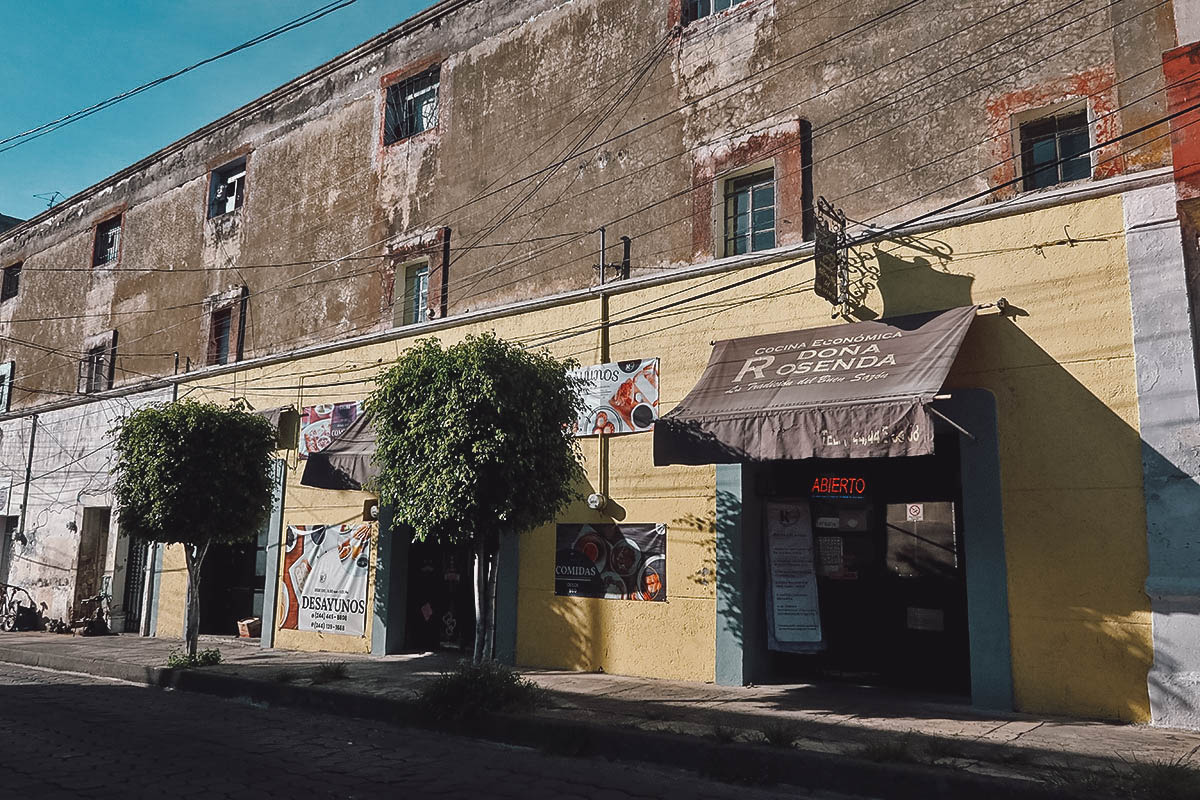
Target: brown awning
point(346, 462)
point(843, 391)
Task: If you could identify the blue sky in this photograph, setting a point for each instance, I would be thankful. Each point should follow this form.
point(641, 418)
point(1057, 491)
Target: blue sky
point(63, 55)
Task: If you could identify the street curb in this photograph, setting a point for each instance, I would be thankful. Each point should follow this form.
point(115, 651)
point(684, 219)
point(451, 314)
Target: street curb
point(730, 762)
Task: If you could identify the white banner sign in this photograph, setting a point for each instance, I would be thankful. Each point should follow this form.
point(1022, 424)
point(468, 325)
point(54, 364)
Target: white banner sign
point(621, 397)
point(325, 569)
point(795, 611)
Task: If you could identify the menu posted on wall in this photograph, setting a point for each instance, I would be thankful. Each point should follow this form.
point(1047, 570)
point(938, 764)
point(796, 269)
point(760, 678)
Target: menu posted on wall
point(615, 562)
point(325, 570)
point(621, 397)
point(793, 606)
point(320, 425)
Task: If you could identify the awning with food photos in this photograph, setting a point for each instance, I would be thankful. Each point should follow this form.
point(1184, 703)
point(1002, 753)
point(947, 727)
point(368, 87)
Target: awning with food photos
point(346, 462)
point(844, 391)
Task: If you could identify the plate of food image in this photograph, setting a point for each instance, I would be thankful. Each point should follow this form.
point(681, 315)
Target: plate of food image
point(592, 545)
point(624, 557)
point(652, 582)
point(614, 586)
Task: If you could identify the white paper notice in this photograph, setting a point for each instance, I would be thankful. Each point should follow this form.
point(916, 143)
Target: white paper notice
point(797, 615)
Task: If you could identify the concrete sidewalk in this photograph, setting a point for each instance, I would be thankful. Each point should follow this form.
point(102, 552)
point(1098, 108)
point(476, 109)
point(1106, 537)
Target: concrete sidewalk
point(875, 732)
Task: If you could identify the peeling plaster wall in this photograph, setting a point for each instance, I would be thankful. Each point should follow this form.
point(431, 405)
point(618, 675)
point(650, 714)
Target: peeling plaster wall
point(72, 458)
point(526, 161)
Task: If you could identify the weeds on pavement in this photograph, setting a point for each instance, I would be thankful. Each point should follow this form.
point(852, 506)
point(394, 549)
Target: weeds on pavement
point(179, 659)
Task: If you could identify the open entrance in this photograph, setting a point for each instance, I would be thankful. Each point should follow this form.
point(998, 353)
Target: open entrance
point(440, 607)
point(865, 571)
point(89, 561)
point(229, 583)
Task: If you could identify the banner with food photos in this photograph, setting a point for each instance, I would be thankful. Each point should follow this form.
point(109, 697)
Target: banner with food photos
point(321, 424)
point(621, 397)
point(615, 562)
point(325, 572)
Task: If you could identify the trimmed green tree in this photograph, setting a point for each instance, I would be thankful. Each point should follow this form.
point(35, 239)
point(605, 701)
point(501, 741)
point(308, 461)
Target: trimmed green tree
point(475, 440)
point(194, 474)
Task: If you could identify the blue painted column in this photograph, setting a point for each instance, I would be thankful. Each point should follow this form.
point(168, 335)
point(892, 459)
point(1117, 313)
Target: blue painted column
point(505, 613)
point(273, 555)
point(983, 543)
point(741, 613)
point(391, 586)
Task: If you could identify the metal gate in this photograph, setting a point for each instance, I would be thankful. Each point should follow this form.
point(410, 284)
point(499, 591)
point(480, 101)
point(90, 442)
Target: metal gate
point(135, 584)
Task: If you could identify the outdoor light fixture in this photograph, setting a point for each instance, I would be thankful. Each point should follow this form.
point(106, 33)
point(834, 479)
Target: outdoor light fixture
point(597, 501)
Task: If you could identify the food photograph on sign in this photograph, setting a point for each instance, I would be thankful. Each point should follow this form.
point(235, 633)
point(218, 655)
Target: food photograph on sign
point(615, 562)
point(320, 425)
point(325, 571)
point(621, 397)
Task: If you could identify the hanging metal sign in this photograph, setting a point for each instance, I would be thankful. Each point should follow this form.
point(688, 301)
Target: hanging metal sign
point(832, 278)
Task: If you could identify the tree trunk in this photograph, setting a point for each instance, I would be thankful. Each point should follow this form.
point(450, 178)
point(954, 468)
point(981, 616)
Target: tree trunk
point(194, 555)
point(481, 598)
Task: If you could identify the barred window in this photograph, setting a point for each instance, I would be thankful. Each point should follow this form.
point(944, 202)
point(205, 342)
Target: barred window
point(108, 242)
point(12, 282)
point(412, 106)
point(227, 188)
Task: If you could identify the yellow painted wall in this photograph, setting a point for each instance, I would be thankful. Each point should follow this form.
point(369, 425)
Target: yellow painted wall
point(1063, 375)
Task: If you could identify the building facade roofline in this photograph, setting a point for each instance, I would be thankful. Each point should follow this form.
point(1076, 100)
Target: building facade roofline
point(1021, 204)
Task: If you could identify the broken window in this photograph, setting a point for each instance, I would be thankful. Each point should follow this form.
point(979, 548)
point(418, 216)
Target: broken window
point(750, 213)
point(1054, 150)
point(95, 370)
point(412, 106)
point(12, 282)
point(108, 242)
point(227, 188)
point(416, 294)
point(696, 9)
point(218, 337)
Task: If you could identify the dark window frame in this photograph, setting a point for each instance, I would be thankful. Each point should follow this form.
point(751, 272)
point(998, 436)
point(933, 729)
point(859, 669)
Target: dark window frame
point(96, 369)
point(219, 343)
point(10, 287)
point(110, 253)
point(1068, 133)
point(412, 105)
point(220, 178)
point(699, 9)
point(749, 185)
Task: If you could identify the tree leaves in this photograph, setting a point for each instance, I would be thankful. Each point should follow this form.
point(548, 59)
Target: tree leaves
point(193, 473)
point(475, 438)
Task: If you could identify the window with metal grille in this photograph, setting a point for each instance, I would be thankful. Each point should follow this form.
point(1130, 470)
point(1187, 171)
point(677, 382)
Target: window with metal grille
point(227, 188)
point(695, 9)
point(95, 373)
point(750, 213)
point(218, 336)
point(12, 282)
point(1054, 150)
point(412, 106)
point(416, 294)
point(108, 242)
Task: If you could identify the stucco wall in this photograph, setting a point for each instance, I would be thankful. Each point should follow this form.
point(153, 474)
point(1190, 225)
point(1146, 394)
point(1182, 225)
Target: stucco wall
point(1060, 364)
point(72, 459)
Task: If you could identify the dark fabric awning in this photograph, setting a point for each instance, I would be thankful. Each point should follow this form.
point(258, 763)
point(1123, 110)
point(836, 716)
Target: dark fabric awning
point(346, 462)
point(843, 391)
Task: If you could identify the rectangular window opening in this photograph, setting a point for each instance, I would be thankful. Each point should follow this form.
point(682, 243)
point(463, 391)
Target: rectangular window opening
point(95, 372)
point(697, 9)
point(12, 282)
point(412, 106)
point(750, 213)
point(218, 338)
point(108, 242)
point(1054, 150)
point(416, 294)
point(227, 188)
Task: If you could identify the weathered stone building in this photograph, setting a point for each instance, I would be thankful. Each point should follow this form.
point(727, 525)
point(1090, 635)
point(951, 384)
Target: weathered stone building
point(515, 130)
point(451, 175)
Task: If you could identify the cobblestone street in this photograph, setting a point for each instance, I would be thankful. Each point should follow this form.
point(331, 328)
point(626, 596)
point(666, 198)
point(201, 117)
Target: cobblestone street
point(67, 735)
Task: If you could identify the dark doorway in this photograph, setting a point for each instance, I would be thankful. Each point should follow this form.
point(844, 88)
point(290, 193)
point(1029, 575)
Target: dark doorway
point(135, 584)
point(888, 558)
point(440, 604)
point(89, 561)
point(228, 584)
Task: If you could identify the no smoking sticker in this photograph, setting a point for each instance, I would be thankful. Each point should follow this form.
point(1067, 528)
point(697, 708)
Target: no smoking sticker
point(915, 512)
